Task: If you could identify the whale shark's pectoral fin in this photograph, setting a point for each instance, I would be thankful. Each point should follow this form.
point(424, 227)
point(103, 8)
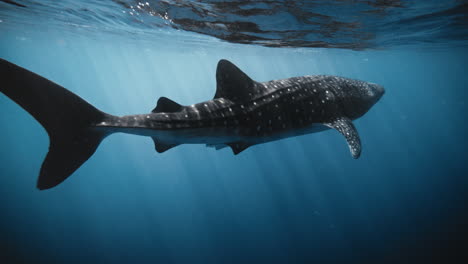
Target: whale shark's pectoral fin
point(162, 147)
point(347, 129)
point(238, 147)
point(233, 84)
point(166, 105)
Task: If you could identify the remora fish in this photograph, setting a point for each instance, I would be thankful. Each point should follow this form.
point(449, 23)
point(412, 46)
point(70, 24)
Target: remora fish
point(242, 113)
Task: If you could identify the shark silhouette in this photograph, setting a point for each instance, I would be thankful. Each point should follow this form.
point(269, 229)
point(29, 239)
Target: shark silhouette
point(242, 113)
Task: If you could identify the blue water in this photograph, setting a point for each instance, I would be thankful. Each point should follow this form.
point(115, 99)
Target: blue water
point(298, 200)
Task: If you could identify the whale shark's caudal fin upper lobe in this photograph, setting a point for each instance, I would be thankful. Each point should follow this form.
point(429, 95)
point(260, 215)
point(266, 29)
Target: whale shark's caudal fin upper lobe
point(66, 117)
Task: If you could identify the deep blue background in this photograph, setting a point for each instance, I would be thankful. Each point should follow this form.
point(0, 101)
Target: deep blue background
point(302, 199)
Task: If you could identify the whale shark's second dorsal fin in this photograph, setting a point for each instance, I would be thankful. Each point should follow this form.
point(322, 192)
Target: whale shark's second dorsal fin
point(345, 126)
point(233, 84)
point(166, 105)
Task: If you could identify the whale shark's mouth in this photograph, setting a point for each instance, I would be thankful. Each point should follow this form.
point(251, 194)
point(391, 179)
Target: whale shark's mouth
point(377, 90)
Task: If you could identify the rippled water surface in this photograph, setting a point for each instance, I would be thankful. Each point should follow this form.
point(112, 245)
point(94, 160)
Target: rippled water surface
point(356, 24)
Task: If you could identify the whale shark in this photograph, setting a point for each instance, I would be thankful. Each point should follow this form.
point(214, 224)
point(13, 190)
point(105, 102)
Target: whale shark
point(242, 113)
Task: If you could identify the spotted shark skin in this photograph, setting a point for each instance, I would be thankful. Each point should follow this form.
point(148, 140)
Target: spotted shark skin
point(260, 113)
point(242, 113)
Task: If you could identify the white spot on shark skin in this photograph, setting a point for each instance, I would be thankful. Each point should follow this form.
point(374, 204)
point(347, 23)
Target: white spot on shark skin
point(323, 101)
point(205, 105)
point(103, 123)
point(166, 115)
point(255, 103)
point(148, 116)
point(230, 109)
point(259, 113)
point(186, 116)
point(242, 106)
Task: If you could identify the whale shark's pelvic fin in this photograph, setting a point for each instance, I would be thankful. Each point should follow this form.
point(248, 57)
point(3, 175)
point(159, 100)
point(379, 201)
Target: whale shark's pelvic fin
point(161, 146)
point(65, 116)
point(217, 146)
point(166, 105)
point(347, 129)
point(233, 84)
point(238, 147)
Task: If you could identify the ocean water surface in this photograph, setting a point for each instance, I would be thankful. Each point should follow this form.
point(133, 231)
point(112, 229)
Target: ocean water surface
point(298, 200)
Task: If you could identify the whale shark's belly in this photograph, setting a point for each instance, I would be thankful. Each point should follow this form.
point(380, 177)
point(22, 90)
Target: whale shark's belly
point(221, 135)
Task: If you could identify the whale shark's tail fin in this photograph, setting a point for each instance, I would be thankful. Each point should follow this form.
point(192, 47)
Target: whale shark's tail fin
point(66, 117)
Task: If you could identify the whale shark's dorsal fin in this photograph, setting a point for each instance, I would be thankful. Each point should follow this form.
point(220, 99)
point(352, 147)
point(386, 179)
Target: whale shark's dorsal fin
point(166, 105)
point(233, 84)
point(347, 129)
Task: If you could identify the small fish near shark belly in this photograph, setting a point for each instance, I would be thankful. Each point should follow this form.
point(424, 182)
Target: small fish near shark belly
point(242, 113)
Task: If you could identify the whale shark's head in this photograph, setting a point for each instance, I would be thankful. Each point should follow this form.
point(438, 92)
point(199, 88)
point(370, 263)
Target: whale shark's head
point(360, 96)
point(374, 92)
